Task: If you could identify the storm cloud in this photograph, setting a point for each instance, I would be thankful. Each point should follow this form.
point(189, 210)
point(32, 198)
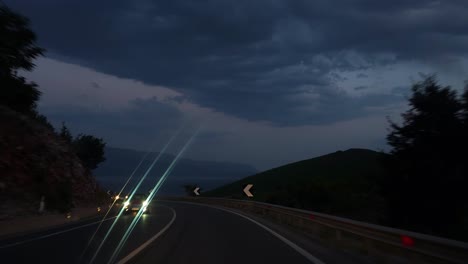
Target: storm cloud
point(276, 61)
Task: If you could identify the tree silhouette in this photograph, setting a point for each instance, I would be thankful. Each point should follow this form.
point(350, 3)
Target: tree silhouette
point(427, 179)
point(17, 51)
point(90, 150)
point(465, 108)
point(65, 134)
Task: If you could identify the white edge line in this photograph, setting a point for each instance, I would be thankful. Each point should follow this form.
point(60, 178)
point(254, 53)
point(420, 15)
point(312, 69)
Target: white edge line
point(53, 234)
point(288, 242)
point(151, 240)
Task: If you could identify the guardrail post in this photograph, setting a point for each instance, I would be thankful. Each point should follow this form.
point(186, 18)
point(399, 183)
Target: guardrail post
point(337, 241)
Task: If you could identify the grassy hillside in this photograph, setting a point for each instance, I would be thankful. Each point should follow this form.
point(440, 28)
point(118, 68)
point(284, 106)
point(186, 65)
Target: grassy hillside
point(345, 183)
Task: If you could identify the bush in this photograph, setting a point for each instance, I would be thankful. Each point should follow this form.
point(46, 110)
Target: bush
point(90, 150)
point(17, 51)
point(59, 197)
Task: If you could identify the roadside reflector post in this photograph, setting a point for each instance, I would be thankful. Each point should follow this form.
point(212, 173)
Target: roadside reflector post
point(407, 241)
point(42, 205)
point(337, 240)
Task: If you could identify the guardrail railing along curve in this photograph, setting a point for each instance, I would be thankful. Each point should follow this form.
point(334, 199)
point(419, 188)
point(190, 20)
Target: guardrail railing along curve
point(380, 241)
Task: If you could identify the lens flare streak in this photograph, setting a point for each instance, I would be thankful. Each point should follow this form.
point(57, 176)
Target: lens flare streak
point(131, 195)
point(150, 197)
point(114, 200)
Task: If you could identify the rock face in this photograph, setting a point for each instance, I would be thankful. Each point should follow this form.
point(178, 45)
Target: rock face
point(34, 161)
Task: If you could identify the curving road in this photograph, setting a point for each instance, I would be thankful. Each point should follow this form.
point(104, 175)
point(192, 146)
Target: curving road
point(173, 233)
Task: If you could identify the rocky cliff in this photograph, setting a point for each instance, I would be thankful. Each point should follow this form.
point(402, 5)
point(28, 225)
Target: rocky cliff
point(36, 162)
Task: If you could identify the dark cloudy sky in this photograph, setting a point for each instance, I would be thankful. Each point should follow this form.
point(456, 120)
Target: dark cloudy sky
point(274, 81)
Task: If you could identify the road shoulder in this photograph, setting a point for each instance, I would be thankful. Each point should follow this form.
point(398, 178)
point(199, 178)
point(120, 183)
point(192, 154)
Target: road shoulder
point(39, 223)
point(313, 245)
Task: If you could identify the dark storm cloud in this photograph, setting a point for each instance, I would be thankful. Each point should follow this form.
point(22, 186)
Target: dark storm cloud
point(361, 87)
point(248, 58)
point(362, 75)
point(404, 91)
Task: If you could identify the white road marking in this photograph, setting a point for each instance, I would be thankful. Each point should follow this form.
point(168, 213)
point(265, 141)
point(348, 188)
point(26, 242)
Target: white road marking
point(288, 242)
point(151, 240)
point(53, 234)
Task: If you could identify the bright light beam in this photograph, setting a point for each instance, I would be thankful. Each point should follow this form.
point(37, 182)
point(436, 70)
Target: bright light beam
point(133, 192)
point(113, 202)
point(150, 197)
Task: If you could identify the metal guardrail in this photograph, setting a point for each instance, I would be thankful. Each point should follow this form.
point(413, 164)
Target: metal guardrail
point(379, 241)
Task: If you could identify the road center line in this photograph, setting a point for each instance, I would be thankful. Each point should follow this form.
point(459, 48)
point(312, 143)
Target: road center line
point(53, 234)
point(151, 240)
point(288, 242)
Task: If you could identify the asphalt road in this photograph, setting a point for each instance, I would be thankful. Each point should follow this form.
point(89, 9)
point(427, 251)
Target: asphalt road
point(173, 233)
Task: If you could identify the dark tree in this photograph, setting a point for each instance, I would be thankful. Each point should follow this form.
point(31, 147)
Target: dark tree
point(42, 119)
point(65, 134)
point(17, 51)
point(60, 197)
point(426, 186)
point(18, 42)
point(90, 150)
point(465, 107)
point(465, 132)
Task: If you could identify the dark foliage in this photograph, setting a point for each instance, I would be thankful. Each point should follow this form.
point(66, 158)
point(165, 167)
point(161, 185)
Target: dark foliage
point(18, 94)
point(61, 198)
point(428, 176)
point(18, 42)
point(42, 119)
point(65, 134)
point(17, 51)
point(90, 150)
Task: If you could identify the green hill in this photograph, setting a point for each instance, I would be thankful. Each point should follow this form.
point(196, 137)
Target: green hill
point(346, 183)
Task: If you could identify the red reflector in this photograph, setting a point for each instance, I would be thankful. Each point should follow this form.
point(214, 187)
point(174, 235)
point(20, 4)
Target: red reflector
point(407, 241)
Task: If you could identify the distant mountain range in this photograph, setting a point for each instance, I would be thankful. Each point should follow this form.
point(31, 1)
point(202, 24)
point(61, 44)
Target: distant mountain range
point(346, 183)
point(120, 163)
